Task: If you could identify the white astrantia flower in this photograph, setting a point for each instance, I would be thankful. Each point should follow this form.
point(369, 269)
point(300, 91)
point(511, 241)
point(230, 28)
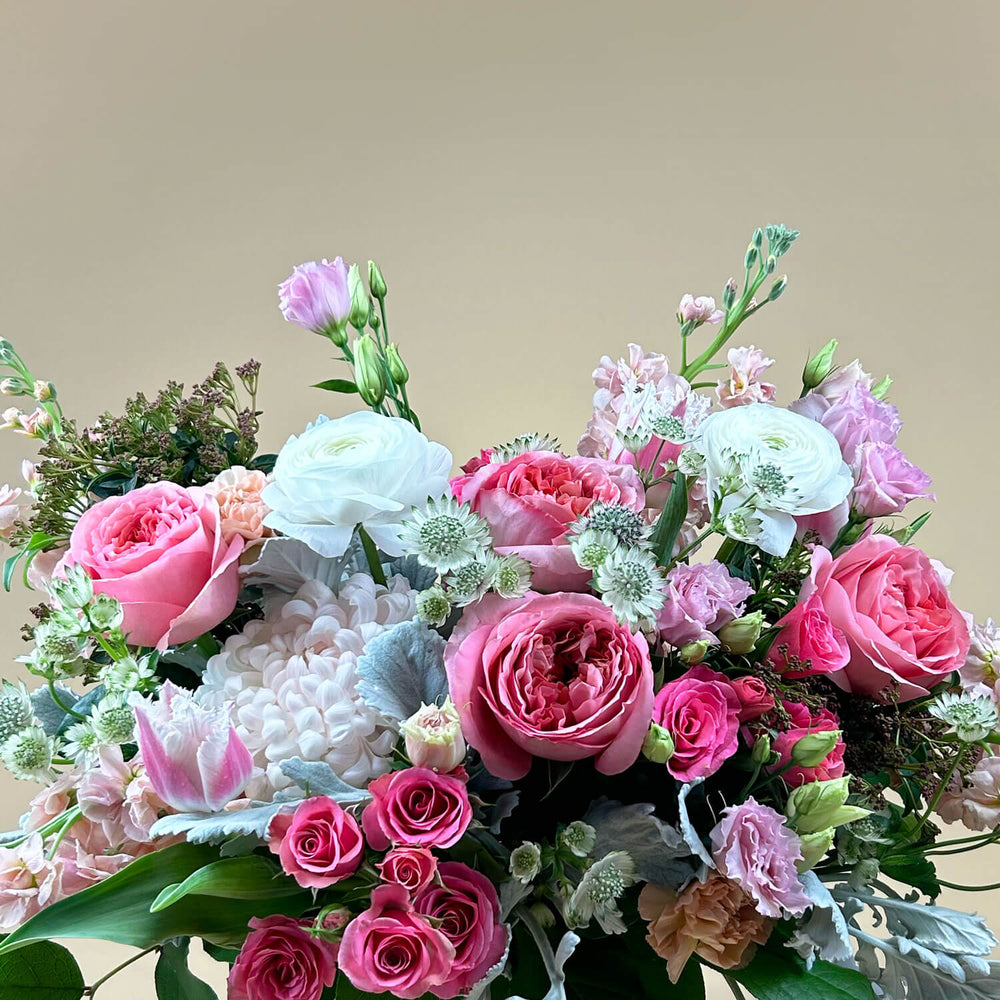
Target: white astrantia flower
point(468, 583)
point(113, 720)
point(16, 710)
point(365, 469)
point(82, 744)
point(445, 535)
point(433, 606)
point(971, 718)
point(597, 895)
point(631, 584)
point(291, 679)
point(28, 755)
point(786, 464)
point(591, 547)
point(511, 576)
point(627, 525)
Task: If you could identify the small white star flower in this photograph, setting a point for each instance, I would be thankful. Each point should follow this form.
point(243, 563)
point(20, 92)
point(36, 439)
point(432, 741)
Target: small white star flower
point(969, 717)
point(597, 895)
point(445, 536)
point(631, 584)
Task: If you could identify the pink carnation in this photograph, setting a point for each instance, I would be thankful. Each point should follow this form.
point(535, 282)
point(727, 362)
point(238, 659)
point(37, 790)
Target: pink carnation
point(752, 846)
point(531, 500)
point(701, 711)
point(803, 722)
point(744, 385)
point(554, 676)
point(701, 598)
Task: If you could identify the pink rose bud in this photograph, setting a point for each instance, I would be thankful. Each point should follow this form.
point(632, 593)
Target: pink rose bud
point(414, 868)
point(755, 699)
point(319, 844)
point(193, 757)
point(434, 737)
point(316, 296)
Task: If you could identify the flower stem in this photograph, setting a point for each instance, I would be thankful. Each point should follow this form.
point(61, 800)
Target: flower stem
point(91, 990)
point(371, 554)
point(59, 703)
point(932, 805)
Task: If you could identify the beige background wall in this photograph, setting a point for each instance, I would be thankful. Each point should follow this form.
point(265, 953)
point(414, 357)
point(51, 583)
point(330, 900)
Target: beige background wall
point(540, 181)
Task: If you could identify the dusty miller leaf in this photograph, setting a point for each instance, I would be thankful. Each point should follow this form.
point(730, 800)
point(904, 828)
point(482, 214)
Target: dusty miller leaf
point(316, 777)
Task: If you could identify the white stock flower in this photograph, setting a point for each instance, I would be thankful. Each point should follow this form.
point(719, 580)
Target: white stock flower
point(784, 464)
point(291, 679)
point(362, 469)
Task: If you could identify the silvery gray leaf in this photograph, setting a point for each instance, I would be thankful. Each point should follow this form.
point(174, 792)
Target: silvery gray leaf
point(823, 932)
point(421, 577)
point(660, 852)
point(688, 832)
point(284, 564)
point(207, 828)
point(48, 713)
point(481, 990)
point(402, 669)
point(555, 963)
point(84, 706)
point(316, 777)
point(500, 810)
point(511, 893)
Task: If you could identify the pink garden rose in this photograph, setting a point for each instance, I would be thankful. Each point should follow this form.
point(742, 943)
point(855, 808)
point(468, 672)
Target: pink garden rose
point(416, 807)
point(892, 607)
point(554, 676)
point(466, 909)
point(752, 846)
point(755, 698)
point(802, 723)
point(160, 552)
point(701, 711)
point(530, 501)
point(319, 844)
point(281, 960)
point(701, 598)
point(808, 643)
point(413, 868)
point(390, 948)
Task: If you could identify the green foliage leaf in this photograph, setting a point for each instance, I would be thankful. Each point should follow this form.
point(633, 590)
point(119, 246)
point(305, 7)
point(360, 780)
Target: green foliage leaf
point(247, 877)
point(118, 909)
point(337, 385)
point(776, 975)
point(174, 980)
point(42, 971)
point(670, 520)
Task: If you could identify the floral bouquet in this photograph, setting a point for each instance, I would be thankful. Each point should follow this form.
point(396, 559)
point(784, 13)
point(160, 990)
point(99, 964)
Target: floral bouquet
point(560, 727)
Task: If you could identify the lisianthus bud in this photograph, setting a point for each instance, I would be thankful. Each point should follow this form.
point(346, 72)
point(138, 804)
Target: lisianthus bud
point(762, 750)
point(375, 280)
point(398, 371)
point(819, 366)
point(814, 748)
point(360, 304)
point(821, 805)
point(814, 848)
point(881, 387)
point(434, 737)
point(694, 652)
point(741, 635)
point(658, 745)
point(368, 371)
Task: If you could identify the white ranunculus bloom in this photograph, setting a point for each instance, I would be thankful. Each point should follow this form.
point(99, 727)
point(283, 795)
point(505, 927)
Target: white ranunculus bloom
point(362, 469)
point(774, 462)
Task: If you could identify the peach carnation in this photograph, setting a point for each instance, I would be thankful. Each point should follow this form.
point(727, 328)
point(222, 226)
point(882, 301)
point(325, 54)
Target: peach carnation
point(237, 491)
point(715, 920)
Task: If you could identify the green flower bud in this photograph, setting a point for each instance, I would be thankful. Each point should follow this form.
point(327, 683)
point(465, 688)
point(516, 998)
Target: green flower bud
point(543, 915)
point(762, 750)
point(658, 745)
point(375, 281)
point(819, 366)
point(694, 652)
point(105, 613)
point(368, 371)
point(43, 391)
point(741, 635)
point(777, 288)
point(758, 238)
point(815, 847)
point(76, 590)
point(814, 748)
point(398, 371)
point(360, 304)
point(821, 805)
point(882, 387)
point(751, 256)
point(729, 294)
point(772, 263)
point(526, 862)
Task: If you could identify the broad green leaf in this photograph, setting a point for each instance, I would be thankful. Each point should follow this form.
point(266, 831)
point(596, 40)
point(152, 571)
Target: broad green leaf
point(174, 980)
point(670, 521)
point(117, 909)
point(247, 877)
point(783, 976)
point(337, 385)
point(42, 971)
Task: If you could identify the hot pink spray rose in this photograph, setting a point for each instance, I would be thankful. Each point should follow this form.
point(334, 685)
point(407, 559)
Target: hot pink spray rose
point(802, 723)
point(160, 552)
point(413, 868)
point(701, 598)
point(281, 960)
point(390, 948)
point(701, 711)
point(752, 846)
point(319, 844)
point(466, 909)
point(808, 643)
point(417, 807)
point(893, 609)
point(530, 501)
point(755, 698)
point(553, 676)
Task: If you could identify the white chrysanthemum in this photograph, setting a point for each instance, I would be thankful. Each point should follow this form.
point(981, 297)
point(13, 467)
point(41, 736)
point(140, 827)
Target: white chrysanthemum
point(631, 584)
point(292, 681)
point(787, 464)
point(446, 535)
point(969, 717)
